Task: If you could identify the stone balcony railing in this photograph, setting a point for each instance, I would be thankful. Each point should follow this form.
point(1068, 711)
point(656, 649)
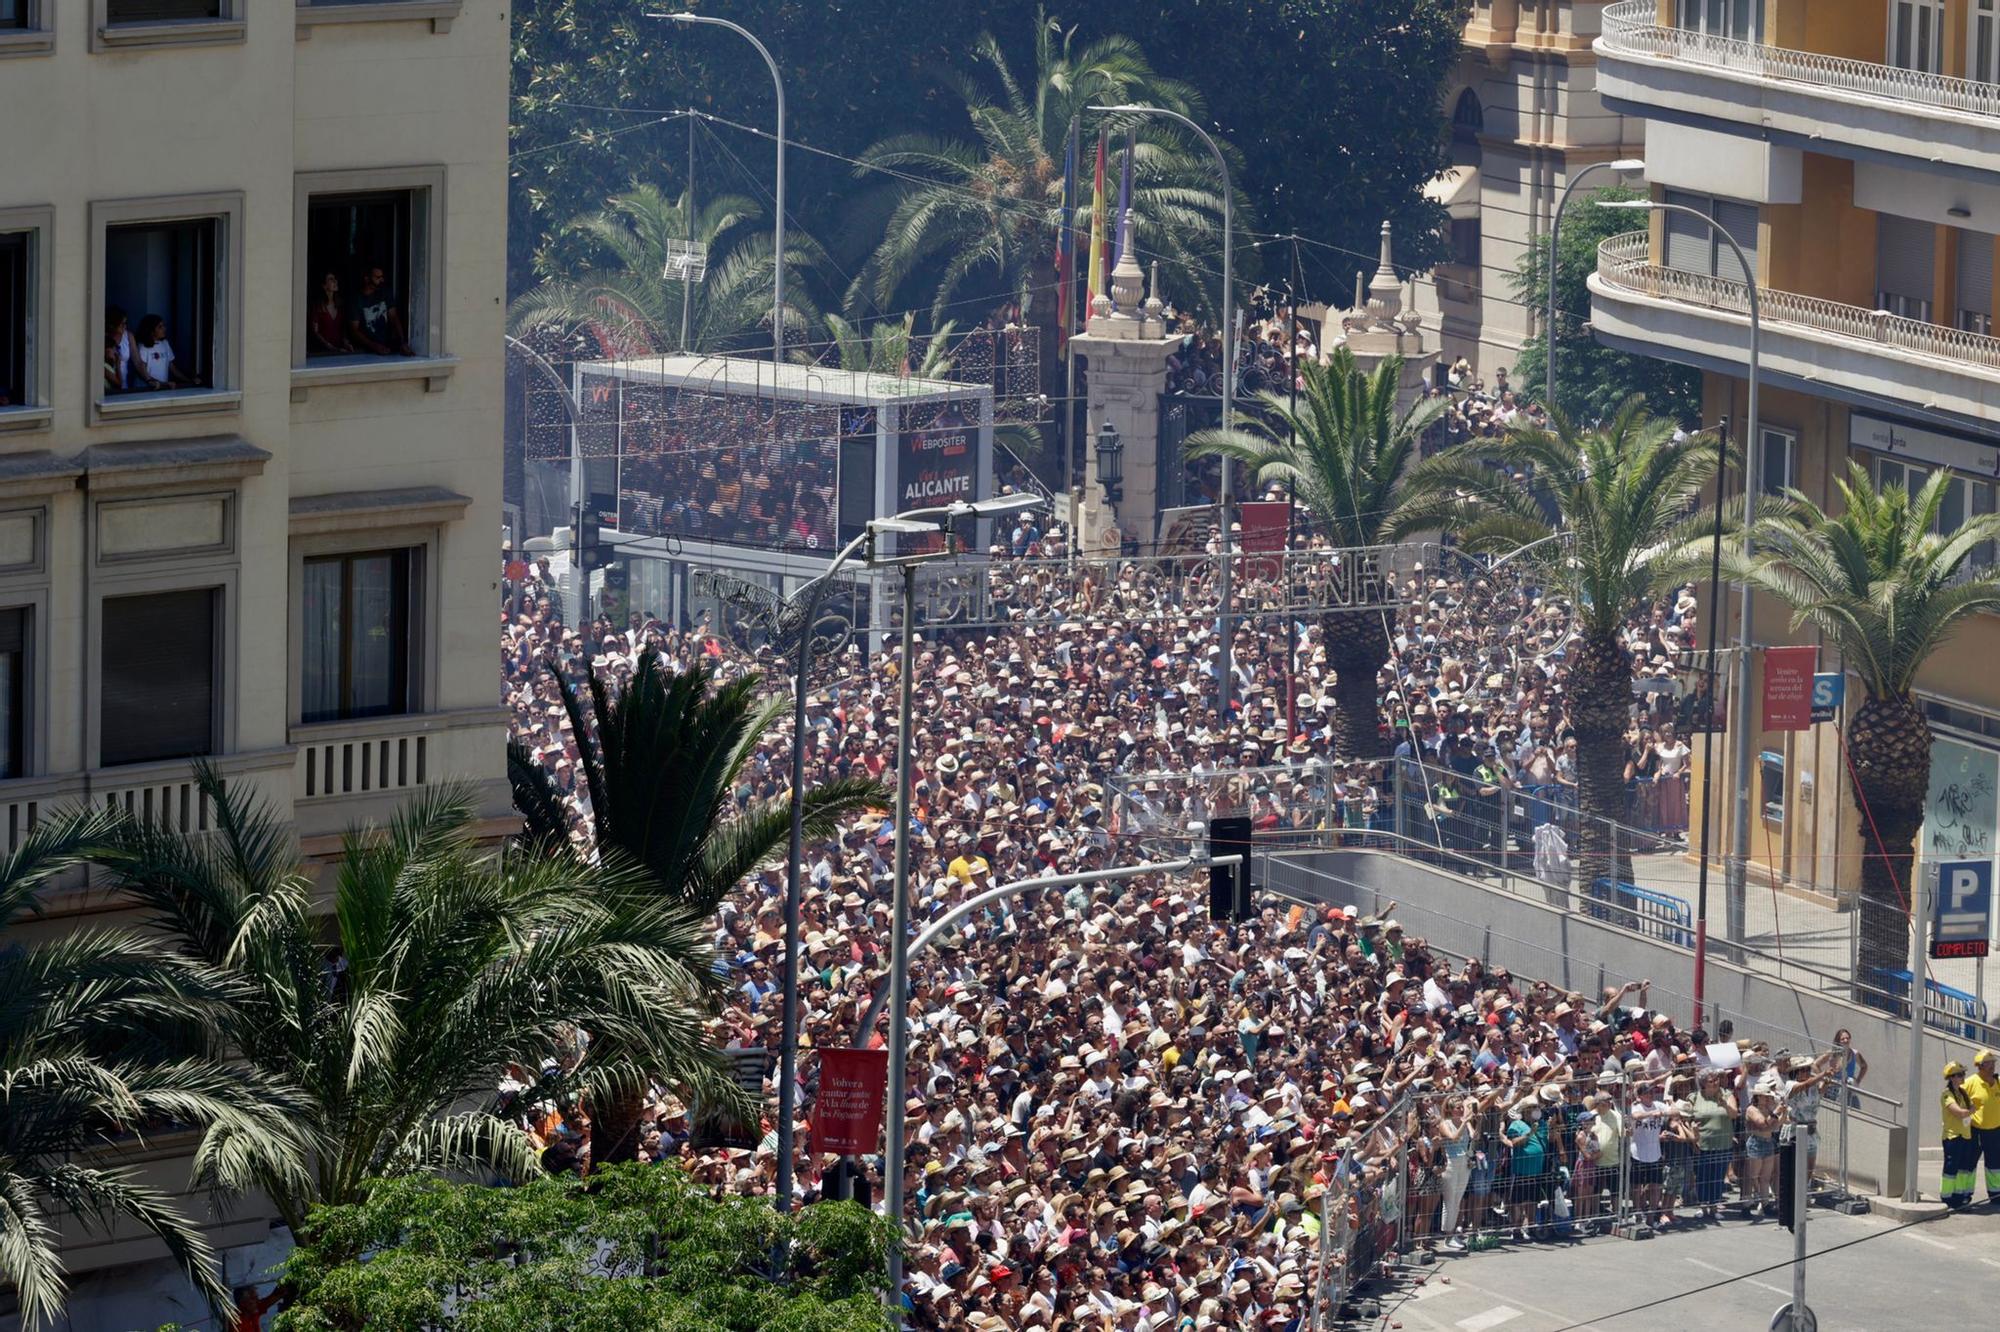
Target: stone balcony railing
point(331, 777)
point(1625, 262)
point(1633, 28)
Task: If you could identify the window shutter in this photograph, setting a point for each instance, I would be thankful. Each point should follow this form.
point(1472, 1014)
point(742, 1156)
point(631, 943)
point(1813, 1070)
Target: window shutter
point(1904, 257)
point(1688, 243)
point(1740, 221)
point(1975, 272)
point(158, 687)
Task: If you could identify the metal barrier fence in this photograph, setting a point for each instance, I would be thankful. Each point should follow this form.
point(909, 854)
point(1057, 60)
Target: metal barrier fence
point(1945, 1008)
point(1525, 840)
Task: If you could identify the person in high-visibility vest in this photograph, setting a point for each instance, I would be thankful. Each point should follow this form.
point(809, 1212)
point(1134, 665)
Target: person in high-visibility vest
point(1984, 1089)
point(1961, 1152)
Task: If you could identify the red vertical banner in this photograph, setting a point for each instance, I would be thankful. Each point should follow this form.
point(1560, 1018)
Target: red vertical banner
point(847, 1117)
point(1266, 524)
point(1788, 686)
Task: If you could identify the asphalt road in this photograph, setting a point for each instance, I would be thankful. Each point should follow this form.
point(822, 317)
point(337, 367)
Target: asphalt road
point(1939, 1274)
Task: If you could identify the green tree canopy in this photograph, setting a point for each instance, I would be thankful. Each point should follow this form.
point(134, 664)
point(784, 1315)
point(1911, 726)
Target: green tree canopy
point(633, 1248)
point(1593, 380)
point(444, 964)
point(104, 1035)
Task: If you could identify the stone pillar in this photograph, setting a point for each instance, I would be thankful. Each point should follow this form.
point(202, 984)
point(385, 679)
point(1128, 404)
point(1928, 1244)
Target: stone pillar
point(1126, 346)
point(1381, 329)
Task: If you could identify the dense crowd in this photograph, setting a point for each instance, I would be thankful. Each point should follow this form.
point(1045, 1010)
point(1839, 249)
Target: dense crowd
point(1121, 1113)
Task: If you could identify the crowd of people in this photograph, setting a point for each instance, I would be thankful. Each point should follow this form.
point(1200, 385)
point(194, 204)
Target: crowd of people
point(1123, 1114)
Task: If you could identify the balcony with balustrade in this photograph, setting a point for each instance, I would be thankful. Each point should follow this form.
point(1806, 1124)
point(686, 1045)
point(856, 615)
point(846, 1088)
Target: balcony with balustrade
point(1894, 93)
point(1865, 356)
point(333, 777)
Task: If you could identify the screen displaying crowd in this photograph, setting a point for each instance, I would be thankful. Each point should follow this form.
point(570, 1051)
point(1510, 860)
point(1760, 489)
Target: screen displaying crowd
point(1122, 1114)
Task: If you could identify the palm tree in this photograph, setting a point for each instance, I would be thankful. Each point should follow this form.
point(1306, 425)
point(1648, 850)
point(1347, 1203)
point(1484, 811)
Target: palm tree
point(661, 764)
point(984, 216)
point(890, 347)
point(1886, 590)
point(1604, 517)
point(1344, 451)
point(441, 964)
point(631, 302)
point(102, 1036)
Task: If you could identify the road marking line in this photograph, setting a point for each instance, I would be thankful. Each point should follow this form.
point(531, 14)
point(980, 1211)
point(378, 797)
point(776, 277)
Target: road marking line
point(1991, 1262)
point(1723, 1271)
point(1498, 1314)
point(1926, 1239)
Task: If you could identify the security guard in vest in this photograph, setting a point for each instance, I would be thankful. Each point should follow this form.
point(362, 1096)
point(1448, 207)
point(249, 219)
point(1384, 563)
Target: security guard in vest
point(1984, 1089)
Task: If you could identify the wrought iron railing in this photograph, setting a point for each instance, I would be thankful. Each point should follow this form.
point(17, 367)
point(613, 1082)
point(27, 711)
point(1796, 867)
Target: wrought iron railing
point(1624, 262)
point(1633, 28)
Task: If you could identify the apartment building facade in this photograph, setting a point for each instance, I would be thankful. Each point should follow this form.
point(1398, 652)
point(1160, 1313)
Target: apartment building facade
point(1852, 148)
point(1524, 117)
point(252, 285)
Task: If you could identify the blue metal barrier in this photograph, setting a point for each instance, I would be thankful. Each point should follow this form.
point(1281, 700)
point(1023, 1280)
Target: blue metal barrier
point(1659, 916)
point(1962, 1014)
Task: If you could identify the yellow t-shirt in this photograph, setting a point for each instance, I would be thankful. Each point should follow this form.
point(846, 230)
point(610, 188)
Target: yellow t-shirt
point(1954, 1127)
point(1985, 1094)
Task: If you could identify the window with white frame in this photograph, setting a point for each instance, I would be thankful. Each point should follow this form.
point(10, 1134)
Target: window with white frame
point(357, 635)
point(369, 265)
point(1916, 35)
point(160, 676)
point(27, 27)
point(1982, 36)
point(168, 280)
point(1964, 497)
point(1737, 20)
point(1778, 463)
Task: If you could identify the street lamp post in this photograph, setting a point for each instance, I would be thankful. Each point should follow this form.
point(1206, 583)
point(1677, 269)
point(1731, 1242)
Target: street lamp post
point(1623, 166)
point(1737, 869)
point(778, 226)
point(1224, 574)
point(795, 621)
point(922, 522)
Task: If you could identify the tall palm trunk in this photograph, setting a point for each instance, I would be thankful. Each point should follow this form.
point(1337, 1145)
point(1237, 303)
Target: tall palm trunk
point(1889, 744)
point(1356, 646)
point(1600, 700)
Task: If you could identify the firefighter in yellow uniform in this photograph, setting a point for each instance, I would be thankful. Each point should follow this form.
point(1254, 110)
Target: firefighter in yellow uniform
point(1961, 1152)
point(1984, 1089)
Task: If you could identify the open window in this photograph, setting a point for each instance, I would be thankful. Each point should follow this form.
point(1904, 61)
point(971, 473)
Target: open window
point(168, 289)
point(367, 267)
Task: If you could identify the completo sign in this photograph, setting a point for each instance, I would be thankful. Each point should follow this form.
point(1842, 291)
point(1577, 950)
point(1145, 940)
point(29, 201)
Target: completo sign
point(1788, 687)
point(1962, 909)
point(847, 1117)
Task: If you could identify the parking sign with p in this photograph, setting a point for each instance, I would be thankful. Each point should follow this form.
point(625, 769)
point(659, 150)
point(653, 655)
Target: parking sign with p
point(1964, 909)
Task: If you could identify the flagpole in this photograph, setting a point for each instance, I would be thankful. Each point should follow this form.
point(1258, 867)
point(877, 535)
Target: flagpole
point(1066, 293)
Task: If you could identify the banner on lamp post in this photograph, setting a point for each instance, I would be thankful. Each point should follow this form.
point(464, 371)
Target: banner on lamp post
point(1788, 687)
point(847, 1117)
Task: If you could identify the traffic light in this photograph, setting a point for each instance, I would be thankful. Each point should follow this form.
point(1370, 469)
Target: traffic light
point(590, 550)
point(1229, 885)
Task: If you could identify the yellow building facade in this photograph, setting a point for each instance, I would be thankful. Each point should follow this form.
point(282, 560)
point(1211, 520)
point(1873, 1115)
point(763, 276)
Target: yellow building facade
point(1852, 148)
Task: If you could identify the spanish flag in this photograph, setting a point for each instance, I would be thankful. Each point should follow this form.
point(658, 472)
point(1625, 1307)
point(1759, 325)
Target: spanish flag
point(1095, 281)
